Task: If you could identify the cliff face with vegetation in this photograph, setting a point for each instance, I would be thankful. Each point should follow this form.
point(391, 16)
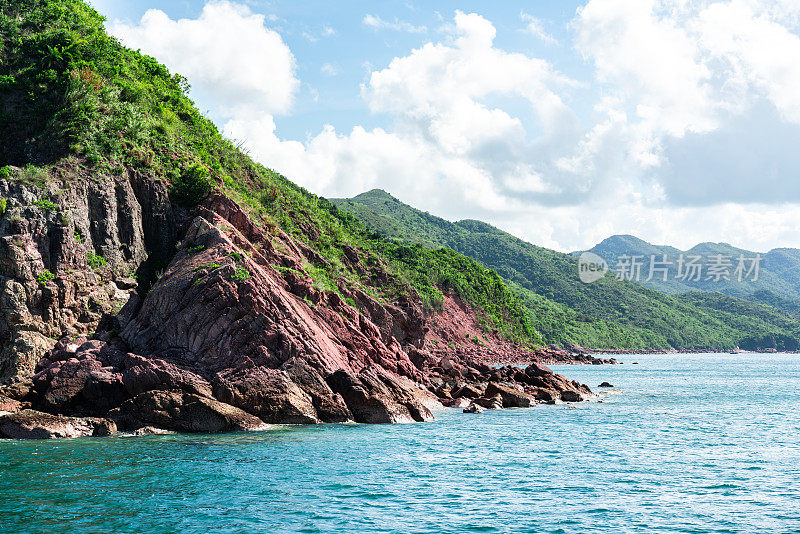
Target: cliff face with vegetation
point(607, 314)
point(152, 275)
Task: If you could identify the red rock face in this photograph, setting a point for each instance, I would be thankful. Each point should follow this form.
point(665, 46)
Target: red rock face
point(234, 334)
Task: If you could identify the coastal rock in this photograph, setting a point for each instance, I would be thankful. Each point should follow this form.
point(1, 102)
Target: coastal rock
point(511, 397)
point(539, 370)
point(330, 406)
point(490, 403)
point(186, 412)
point(605, 385)
point(547, 396)
point(224, 340)
point(151, 431)
point(571, 396)
point(460, 402)
point(473, 408)
point(79, 385)
point(267, 393)
point(10, 405)
point(31, 424)
point(145, 374)
point(118, 219)
point(469, 391)
point(369, 398)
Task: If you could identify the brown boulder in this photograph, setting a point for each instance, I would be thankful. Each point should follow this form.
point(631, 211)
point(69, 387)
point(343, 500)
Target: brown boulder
point(79, 385)
point(371, 401)
point(330, 406)
point(469, 391)
point(538, 369)
point(145, 374)
point(490, 403)
point(30, 424)
point(571, 396)
point(511, 397)
point(473, 408)
point(186, 412)
point(268, 393)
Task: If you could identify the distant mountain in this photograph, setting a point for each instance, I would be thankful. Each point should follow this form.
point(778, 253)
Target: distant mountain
point(778, 272)
point(609, 313)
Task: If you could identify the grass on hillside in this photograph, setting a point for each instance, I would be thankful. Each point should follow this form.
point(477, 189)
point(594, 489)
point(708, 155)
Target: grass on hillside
point(76, 104)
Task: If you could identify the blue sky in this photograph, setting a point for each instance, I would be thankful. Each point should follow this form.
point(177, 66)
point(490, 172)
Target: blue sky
point(561, 122)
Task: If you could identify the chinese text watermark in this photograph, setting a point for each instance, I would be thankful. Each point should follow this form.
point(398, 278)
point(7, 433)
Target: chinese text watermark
point(662, 267)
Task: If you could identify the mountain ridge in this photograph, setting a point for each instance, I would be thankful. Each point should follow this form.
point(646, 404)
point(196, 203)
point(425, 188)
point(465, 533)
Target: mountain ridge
point(608, 314)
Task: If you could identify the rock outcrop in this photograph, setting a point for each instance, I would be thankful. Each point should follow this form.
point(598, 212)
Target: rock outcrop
point(30, 424)
point(71, 250)
point(231, 336)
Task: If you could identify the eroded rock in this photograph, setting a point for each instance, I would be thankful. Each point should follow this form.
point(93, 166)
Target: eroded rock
point(31, 424)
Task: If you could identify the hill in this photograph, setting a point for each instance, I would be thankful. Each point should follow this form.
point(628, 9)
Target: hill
point(609, 314)
point(777, 269)
point(152, 274)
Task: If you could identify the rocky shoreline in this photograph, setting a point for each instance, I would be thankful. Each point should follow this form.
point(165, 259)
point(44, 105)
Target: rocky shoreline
point(232, 336)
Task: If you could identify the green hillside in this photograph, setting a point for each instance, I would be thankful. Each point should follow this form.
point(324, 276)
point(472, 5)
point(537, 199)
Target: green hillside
point(77, 105)
point(606, 314)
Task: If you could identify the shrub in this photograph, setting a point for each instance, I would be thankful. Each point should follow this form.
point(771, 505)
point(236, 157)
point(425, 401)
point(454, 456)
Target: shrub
point(209, 266)
point(95, 261)
point(3, 206)
point(193, 185)
point(240, 275)
point(45, 277)
point(45, 204)
point(5, 172)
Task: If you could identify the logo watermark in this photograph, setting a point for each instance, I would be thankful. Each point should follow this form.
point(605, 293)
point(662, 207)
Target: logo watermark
point(591, 267)
point(683, 267)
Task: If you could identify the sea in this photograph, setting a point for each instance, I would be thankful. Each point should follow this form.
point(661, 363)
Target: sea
point(689, 443)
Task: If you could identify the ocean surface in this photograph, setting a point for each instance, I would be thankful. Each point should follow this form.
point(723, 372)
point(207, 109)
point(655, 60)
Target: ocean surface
point(684, 443)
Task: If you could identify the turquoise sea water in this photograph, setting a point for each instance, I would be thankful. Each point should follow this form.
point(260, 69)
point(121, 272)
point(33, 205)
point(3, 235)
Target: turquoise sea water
point(690, 443)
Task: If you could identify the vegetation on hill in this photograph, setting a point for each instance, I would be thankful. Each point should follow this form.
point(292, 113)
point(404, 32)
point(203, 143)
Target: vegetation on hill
point(75, 105)
point(777, 273)
point(606, 314)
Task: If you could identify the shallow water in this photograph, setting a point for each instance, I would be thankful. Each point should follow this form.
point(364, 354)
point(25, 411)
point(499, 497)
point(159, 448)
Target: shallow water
point(686, 443)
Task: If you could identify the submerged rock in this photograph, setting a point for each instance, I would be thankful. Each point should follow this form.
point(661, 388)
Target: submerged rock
point(151, 431)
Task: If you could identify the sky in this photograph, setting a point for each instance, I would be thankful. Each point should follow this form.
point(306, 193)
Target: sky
point(561, 122)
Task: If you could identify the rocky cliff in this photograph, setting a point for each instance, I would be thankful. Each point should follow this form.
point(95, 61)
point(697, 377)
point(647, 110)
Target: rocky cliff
point(153, 276)
point(230, 335)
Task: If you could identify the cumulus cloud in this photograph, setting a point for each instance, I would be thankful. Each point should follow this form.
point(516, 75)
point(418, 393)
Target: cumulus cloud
point(447, 143)
point(699, 69)
point(228, 54)
point(691, 137)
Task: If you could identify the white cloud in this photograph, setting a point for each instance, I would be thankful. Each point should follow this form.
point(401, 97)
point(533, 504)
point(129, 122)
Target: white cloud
point(377, 23)
point(229, 56)
point(535, 27)
point(446, 144)
point(692, 98)
point(330, 69)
